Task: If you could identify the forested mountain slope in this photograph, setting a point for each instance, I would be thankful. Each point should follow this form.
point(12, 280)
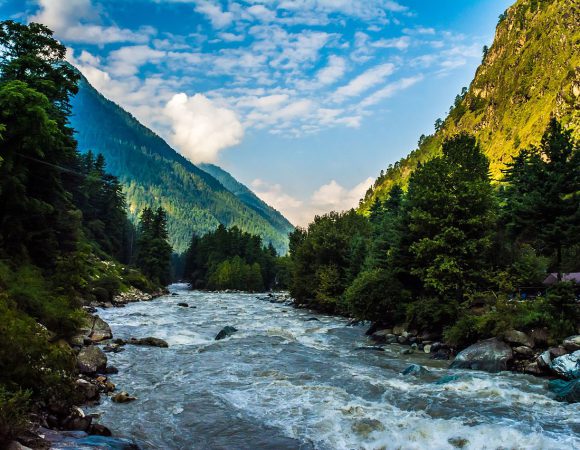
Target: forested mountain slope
point(529, 74)
point(247, 197)
point(153, 174)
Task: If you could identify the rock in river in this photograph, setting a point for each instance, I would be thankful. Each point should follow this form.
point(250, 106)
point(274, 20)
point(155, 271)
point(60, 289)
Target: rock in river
point(91, 360)
point(414, 370)
point(567, 366)
point(491, 355)
point(572, 343)
point(149, 341)
point(225, 332)
point(183, 305)
point(123, 397)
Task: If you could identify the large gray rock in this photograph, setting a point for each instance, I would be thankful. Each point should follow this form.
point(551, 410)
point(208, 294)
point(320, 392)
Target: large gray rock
point(567, 366)
point(225, 332)
point(566, 391)
point(491, 355)
point(149, 341)
point(100, 330)
point(572, 343)
point(91, 360)
point(518, 338)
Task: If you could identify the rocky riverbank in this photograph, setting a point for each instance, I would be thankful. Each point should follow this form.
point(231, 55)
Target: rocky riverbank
point(62, 426)
point(513, 350)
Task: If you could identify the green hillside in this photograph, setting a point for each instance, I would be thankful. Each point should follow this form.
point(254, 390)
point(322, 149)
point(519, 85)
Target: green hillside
point(153, 174)
point(248, 197)
point(529, 74)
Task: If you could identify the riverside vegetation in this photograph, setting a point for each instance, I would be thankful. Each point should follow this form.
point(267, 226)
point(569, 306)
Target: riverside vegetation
point(65, 239)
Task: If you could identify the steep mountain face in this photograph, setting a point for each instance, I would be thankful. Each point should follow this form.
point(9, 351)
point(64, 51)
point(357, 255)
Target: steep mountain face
point(248, 198)
point(530, 73)
point(153, 174)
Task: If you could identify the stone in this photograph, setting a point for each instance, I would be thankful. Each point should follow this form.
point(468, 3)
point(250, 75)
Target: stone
point(225, 332)
point(111, 370)
point(183, 305)
point(441, 355)
point(312, 319)
point(567, 366)
point(427, 348)
point(523, 351)
point(490, 355)
point(534, 369)
point(91, 360)
point(572, 343)
point(99, 430)
point(77, 420)
point(400, 329)
point(557, 351)
point(123, 397)
point(100, 330)
point(87, 390)
point(566, 391)
point(149, 342)
point(540, 336)
point(402, 340)
point(518, 338)
point(415, 370)
point(544, 360)
point(15, 445)
point(407, 351)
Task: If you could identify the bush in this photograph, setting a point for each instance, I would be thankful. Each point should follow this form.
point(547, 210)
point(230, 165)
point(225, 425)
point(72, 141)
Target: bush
point(109, 283)
point(14, 408)
point(375, 295)
point(138, 280)
point(432, 314)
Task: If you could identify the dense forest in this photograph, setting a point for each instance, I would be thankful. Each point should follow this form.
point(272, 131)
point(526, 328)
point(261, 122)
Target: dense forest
point(233, 259)
point(65, 237)
point(453, 252)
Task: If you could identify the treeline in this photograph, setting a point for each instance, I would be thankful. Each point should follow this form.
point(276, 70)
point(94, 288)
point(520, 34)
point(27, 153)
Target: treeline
point(450, 254)
point(233, 259)
point(64, 231)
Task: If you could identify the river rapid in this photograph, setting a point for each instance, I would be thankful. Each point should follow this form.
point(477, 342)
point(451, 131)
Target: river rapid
point(286, 382)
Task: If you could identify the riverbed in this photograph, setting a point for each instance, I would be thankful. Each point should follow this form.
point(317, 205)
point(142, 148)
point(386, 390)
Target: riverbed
point(293, 379)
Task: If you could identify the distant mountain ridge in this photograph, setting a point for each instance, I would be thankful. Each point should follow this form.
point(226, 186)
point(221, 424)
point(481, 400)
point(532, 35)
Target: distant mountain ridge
point(154, 174)
point(529, 74)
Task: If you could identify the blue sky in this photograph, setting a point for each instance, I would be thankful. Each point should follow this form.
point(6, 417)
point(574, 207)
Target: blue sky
point(305, 101)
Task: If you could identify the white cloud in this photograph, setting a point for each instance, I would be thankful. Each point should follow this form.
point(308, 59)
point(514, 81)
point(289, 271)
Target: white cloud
point(217, 16)
point(333, 71)
point(200, 128)
point(364, 81)
point(78, 21)
point(400, 43)
point(390, 90)
point(328, 197)
point(127, 60)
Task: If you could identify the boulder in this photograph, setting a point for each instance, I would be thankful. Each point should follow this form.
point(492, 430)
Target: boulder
point(400, 329)
point(544, 360)
point(15, 445)
point(87, 390)
point(572, 343)
point(557, 351)
point(99, 430)
point(415, 370)
point(567, 366)
point(183, 305)
point(382, 335)
point(123, 397)
point(77, 420)
point(534, 369)
point(540, 336)
point(100, 330)
point(149, 342)
point(427, 348)
point(566, 391)
point(91, 360)
point(402, 340)
point(441, 355)
point(225, 332)
point(523, 352)
point(491, 355)
point(518, 338)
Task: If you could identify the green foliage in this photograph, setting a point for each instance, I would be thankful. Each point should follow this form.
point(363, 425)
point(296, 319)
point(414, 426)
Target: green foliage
point(153, 249)
point(527, 76)
point(232, 259)
point(14, 408)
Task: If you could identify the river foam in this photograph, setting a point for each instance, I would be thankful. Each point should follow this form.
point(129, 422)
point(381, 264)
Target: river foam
point(287, 381)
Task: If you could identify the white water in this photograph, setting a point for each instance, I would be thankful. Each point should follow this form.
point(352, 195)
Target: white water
point(283, 381)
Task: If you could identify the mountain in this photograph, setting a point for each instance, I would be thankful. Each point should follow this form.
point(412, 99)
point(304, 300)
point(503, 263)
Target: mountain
point(530, 73)
point(248, 198)
point(153, 174)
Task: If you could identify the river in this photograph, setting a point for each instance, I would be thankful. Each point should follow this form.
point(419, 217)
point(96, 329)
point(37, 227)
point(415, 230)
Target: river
point(286, 382)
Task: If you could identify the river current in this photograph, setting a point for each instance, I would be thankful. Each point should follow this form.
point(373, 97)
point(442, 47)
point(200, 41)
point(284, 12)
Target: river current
point(286, 381)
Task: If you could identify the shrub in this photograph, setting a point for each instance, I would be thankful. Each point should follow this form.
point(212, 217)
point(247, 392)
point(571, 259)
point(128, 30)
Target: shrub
point(432, 314)
point(138, 280)
point(14, 408)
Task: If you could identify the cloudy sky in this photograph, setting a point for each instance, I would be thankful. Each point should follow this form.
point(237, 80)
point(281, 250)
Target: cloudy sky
point(305, 101)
